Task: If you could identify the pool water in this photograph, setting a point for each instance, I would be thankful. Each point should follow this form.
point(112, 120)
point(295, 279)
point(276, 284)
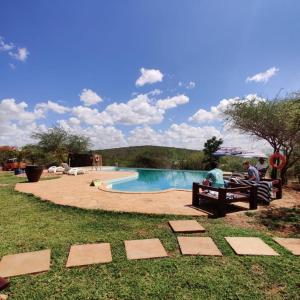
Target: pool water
point(157, 180)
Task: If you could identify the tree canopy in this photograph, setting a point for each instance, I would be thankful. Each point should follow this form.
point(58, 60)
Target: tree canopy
point(58, 143)
point(211, 146)
point(276, 121)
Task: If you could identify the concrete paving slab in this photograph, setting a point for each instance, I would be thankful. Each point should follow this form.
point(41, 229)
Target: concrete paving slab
point(198, 246)
point(250, 246)
point(291, 244)
point(25, 263)
point(186, 226)
point(88, 254)
point(143, 249)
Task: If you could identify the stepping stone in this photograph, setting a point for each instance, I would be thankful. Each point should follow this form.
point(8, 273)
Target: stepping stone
point(250, 246)
point(25, 263)
point(82, 255)
point(198, 246)
point(143, 249)
point(186, 226)
point(293, 245)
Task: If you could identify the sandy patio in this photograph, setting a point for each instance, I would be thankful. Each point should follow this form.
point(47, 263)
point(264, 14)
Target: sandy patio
point(76, 191)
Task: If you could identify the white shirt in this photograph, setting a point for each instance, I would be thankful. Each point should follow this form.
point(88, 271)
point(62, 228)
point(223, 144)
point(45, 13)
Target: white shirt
point(260, 166)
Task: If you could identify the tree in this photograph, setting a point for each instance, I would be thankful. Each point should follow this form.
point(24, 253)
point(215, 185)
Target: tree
point(59, 143)
point(211, 146)
point(77, 143)
point(276, 121)
point(34, 154)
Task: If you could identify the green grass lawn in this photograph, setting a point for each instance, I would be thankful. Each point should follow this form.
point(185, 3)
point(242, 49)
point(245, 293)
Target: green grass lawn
point(28, 224)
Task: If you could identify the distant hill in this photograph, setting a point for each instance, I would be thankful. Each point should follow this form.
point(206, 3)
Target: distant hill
point(152, 157)
point(165, 158)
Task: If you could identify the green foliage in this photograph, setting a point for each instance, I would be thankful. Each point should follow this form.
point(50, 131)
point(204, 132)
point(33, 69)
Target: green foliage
point(211, 146)
point(77, 143)
point(29, 224)
point(165, 157)
point(6, 154)
point(57, 143)
point(297, 172)
point(35, 154)
point(151, 157)
point(231, 164)
point(276, 121)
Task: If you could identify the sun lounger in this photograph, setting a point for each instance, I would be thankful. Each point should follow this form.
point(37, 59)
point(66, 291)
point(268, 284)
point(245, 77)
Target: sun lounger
point(55, 169)
point(221, 197)
point(75, 171)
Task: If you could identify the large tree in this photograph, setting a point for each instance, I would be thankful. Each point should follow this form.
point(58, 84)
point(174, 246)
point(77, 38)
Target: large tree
point(59, 143)
point(211, 146)
point(276, 121)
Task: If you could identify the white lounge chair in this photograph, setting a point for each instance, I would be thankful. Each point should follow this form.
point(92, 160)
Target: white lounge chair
point(54, 169)
point(75, 171)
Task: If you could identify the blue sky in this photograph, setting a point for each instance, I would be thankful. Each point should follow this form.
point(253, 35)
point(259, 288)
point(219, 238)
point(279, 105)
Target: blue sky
point(193, 53)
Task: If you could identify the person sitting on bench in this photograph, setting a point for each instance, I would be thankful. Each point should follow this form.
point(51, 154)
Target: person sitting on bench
point(253, 174)
point(214, 177)
point(262, 167)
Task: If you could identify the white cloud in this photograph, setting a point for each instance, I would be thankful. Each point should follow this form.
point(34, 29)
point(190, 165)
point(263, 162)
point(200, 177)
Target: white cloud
point(216, 112)
point(145, 136)
point(11, 110)
point(263, 76)
point(5, 46)
point(16, 122)
point(91, 116)
point(191, 85)
point(89, 97)
point(153, 93)
point(177, 135)
point(74, 121)
point(101, 137)
point(193, 137)
point(136, 111)
point(172, 102)
point(149, 76)
point(50, 105)
point(142, 110)
point(20, 55)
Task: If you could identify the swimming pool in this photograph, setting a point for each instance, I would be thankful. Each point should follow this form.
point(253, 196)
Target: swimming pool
point(150, 180)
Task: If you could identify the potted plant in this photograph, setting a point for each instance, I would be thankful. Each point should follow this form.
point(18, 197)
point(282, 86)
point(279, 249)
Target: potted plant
point(35, 155)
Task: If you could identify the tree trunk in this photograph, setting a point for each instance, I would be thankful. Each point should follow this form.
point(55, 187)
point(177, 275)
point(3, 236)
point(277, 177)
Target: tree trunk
point(283, 175)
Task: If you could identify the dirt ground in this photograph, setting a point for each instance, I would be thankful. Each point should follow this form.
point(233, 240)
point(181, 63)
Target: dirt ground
point(76, 191)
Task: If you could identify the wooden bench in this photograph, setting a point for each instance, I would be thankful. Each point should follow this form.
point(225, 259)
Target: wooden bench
point(222, 199)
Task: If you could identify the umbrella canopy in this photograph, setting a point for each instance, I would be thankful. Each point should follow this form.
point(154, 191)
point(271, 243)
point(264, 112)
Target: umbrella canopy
point(237, 151)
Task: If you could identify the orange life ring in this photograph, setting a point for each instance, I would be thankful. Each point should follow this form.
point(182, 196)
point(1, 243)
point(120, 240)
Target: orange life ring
point(97, 158)
point(281, 158)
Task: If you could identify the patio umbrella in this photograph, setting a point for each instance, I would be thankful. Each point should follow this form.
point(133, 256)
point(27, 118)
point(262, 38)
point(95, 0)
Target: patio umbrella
point(239, 152)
